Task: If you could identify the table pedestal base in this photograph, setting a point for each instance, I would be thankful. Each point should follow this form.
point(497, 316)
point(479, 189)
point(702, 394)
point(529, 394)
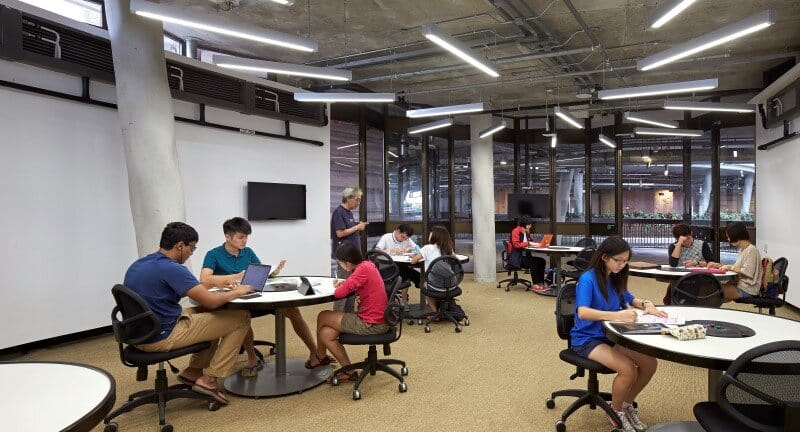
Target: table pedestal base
point(267, 384)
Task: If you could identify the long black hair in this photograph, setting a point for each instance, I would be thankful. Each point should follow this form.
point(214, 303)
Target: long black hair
point(610, 247)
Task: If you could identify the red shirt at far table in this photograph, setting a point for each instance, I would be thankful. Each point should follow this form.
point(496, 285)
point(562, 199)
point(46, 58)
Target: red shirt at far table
point(367, 283)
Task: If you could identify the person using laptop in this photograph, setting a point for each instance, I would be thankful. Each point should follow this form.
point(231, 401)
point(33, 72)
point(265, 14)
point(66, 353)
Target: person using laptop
point(161, 280)
point(224, 267)
point(366, 282)
point(398, 242)
point(522, 258)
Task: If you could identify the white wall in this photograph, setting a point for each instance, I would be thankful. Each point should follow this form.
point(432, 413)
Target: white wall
point(66, 226)
point(777, 206)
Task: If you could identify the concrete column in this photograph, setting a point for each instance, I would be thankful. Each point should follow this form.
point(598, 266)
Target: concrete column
point(562, 195)
point(577, 191)
point(747, 193)
point(482, 162)
point(147, 122)
point(705, 197)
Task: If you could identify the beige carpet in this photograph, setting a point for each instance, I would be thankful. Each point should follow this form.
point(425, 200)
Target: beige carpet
point(495, 375)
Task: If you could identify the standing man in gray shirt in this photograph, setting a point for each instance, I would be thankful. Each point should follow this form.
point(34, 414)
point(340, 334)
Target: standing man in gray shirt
point(344, 228)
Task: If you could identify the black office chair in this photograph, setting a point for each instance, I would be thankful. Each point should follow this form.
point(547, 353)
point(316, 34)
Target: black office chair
point(371, 365)
point(772, 300)
point(592, 396)
point(697, 289)
point(580, 264)
point(387, 268)
point(586, 242)
point(759, 392)
point(516, 280)
point(138, 325)
point(442, 279)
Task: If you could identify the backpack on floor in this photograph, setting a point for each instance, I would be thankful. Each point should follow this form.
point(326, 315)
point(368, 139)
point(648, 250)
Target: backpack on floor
point(769, 279)
point(456, 311)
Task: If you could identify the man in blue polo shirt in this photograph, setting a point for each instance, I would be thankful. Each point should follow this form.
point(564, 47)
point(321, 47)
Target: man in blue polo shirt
point(161, 280)
point(344, 228)
point(224, 266)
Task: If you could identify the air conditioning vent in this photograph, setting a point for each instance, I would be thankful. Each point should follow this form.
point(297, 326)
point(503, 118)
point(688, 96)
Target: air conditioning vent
point(192, 81)
point(62, 43)
point(281, 101)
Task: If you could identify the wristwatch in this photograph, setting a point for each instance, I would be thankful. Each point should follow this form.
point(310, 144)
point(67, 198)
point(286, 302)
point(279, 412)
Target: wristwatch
point(644, 304)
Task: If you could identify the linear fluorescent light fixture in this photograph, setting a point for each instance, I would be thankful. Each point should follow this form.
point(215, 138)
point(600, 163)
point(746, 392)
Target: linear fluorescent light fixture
point(458, 48)
point(659, 89)
point(497, 127)
point(667, 12)
point(708, 106)
point(345, 97)
point(553, 141)
point(284, 2)
point(438, 124)
point(708, 40)
point(607, 141)
point(445, 110)
point(668, 132)
point(643, 118)
point(567, 117)
point(346, 146)
point(213, 23)
point(264, 66)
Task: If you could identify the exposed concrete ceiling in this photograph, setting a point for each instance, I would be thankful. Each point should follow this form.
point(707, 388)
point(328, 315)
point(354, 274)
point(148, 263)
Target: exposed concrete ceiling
point(381, 42)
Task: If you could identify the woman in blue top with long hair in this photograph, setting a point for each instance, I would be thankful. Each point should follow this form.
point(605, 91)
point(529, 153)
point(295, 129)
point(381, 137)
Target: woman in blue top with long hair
point(602, 295)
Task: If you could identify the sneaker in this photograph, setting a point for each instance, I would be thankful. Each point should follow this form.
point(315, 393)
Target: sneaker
point(625, 424)
point(633, 416)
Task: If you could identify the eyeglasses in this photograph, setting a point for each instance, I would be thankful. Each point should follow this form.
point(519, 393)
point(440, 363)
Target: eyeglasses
point(192, 247)
point(620, 260)
point(356, 198)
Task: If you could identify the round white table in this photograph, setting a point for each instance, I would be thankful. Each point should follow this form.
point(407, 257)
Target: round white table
point(712, 353)
point(418, 311)
point(54, 396)
point(672, 275)
point(284, 376)
point(556, 253)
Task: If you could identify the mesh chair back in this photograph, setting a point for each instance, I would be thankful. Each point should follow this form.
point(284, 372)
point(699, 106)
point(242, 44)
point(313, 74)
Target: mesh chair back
point(565, 310)
point(697, 289)
point(586, 242)
point(138, 323)
point(394, 309)
point(581, 262)
point(767, 376)
point(504, 256)
point(444, 273)
point(780, 265)
point(385, 265)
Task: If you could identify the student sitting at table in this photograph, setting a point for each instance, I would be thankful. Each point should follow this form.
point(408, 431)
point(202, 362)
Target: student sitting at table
point(161, 280)
point(398, 242)
point(602, 295)
point(687, 250)
point(747, 265)
point(366, 282)
point(521, 258)
point(439, 243)
point(224, 267)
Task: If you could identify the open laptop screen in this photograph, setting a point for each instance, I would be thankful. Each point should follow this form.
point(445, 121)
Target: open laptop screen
point(256, 276)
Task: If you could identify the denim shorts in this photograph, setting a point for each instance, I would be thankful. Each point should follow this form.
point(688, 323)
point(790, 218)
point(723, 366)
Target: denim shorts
point(743, 294)
point(586, 348)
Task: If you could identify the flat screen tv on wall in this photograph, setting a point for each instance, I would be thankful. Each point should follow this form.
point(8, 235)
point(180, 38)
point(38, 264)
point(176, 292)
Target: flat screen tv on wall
point(276, 201)
point(534, 206)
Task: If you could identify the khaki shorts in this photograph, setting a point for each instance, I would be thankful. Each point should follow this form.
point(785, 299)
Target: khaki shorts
point(352, 324)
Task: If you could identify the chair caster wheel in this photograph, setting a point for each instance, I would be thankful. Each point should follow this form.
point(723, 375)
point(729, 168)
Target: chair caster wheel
point(111, 427)
point(419, 321)
point(165, 428)
point(427, 329)
point(403, 387)
point(411, 322)
point(404, 371)
point(466, 321)
point(550, 403)
point(561, 426)
point(458, 329)
point(213, 406)
point(356, 395)
point(498, 285)
point(508, 289)
point(335, 381)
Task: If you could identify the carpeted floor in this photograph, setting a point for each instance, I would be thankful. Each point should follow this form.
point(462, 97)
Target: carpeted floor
point(494, 376)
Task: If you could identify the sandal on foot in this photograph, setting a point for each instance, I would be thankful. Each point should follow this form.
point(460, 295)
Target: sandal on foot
point(251, 371)
point(344, 377)
point(187, 381)
point(214, 392)
point(322, 362)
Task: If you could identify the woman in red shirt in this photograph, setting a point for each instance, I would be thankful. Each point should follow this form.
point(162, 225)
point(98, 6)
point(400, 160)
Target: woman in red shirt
point(367, 283)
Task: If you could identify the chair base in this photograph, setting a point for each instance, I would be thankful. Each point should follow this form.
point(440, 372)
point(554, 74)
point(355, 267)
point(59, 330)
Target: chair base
point(160, 395)
point(516, 280)
point(370, 366)
point(443, 314)
point(590, 396)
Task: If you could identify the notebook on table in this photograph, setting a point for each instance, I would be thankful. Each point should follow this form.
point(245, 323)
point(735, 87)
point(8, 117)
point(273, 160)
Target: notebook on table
point(256, 276)
point(545, 242)
point(705, 270)
point(638, 328)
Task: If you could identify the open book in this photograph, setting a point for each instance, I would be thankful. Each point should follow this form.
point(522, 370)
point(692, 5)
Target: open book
point(652, 319)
